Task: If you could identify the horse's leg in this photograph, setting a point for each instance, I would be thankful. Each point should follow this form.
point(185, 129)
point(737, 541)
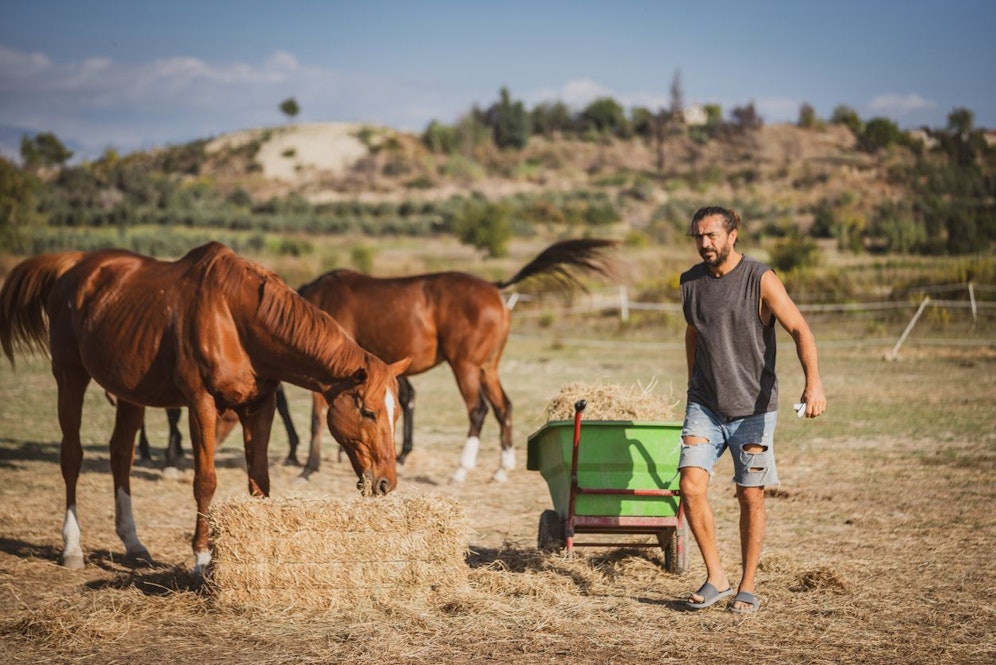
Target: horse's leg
point(502, 406)
point(469, 381)
point(256, 423)
point(292, 439)
point(144, 451)
point(72, 386)
point(226, 423)
point(126, 424)
point(203, 416)
point(406, 396)
point(319, 409)
point(174, 451)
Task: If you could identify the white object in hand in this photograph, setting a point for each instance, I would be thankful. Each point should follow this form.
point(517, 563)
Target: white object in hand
point(800, 409)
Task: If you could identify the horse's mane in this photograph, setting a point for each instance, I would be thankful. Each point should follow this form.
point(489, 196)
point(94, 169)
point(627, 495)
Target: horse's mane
point(279, 308)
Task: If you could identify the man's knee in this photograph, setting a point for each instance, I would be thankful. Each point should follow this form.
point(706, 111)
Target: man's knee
point(694, 481)
point(750, 496)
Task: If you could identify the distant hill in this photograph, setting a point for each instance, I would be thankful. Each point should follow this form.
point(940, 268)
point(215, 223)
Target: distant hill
point(325, 162)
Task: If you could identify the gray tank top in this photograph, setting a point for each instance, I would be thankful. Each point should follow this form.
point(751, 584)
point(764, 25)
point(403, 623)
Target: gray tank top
point(734, 368)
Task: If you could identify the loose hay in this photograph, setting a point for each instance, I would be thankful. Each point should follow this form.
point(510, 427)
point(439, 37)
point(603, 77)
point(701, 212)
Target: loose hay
point(325, 553)
point(613, 402)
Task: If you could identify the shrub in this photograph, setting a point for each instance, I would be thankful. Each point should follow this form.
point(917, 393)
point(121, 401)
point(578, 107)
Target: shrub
point(793, 252)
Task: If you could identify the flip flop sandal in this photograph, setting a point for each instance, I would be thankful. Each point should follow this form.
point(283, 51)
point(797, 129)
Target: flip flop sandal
point(745, 597)
point(710, 596)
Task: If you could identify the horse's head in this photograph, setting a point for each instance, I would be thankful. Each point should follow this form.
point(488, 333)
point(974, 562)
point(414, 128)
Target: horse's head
point(363, 410)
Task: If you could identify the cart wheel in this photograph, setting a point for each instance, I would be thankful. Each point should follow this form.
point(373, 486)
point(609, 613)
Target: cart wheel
point(551, 531)
point(674, 542)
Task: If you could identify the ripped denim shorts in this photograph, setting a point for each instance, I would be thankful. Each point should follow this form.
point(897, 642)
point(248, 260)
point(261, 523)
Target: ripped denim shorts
point(750, 469)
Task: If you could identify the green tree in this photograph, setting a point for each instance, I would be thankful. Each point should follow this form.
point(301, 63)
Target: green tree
point(745, 118)
point(845, 115)
point(17, 201)
point(440, 138)
point(961, 122)
point(551, 119)
point(605, 116)
point(807, 116)
point(714, 115)
point(509, 122)
point(878, 134)
point(290, 108)
point(642, 121)
point(484, 226)
point(44, 150)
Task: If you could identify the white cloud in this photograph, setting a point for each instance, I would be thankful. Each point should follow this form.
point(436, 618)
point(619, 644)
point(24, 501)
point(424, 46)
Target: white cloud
point(896, 104)
point(582, 92)
point(100, 102)
point(17, 64)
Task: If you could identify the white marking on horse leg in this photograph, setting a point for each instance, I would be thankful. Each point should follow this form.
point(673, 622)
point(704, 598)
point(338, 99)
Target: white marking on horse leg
point(124, 525)
point(202, 560)
point(468, 459)
point(508, 459)
point(72, 553)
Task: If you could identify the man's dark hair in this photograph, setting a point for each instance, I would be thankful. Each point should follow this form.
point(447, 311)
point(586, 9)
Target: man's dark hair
point(731, 218)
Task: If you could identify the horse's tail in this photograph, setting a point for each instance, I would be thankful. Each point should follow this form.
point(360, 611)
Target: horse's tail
point(557, 260)
point(23, 320)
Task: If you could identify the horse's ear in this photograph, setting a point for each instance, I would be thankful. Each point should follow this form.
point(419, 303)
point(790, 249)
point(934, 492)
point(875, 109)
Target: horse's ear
point(398, 368)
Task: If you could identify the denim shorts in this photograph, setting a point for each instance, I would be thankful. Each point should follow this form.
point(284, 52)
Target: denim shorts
point(750, 469)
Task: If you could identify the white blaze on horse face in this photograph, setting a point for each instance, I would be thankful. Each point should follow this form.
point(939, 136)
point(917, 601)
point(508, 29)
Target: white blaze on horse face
point(389, 402)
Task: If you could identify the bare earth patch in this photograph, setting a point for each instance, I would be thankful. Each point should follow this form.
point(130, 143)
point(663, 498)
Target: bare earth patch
point(879, 548)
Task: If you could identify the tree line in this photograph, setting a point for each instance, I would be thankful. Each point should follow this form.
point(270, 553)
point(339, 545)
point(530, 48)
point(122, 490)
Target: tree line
point(950, 207)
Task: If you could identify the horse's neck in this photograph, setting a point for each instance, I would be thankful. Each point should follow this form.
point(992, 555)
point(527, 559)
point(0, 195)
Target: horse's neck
point(314, 362)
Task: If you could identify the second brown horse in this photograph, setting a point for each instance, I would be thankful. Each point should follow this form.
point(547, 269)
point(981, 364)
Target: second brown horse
point(451, 317)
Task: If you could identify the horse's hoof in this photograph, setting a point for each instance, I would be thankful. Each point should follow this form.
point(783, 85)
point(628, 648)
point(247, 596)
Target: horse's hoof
point(300, 481)
point(459, 475)
point(290, 461)
point(72, 561)
point(171, 472)
point(141, 556)
point(501, 476)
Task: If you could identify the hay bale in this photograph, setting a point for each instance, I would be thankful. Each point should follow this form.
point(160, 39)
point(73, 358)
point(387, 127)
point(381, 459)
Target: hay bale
point(308, 553)
point(608, 401)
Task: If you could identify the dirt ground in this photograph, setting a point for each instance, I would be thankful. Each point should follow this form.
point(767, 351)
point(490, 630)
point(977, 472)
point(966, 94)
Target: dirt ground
point(879, 544)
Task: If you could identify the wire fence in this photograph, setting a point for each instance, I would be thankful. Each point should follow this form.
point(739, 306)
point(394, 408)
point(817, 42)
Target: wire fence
point(965, 321)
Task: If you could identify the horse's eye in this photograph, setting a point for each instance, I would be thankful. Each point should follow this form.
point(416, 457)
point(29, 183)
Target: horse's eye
point(367, 413)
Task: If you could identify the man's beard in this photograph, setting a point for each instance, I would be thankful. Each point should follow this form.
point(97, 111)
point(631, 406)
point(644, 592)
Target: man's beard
point(720, 257)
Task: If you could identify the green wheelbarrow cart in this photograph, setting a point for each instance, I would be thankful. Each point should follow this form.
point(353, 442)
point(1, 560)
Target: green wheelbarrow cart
point(610, 477)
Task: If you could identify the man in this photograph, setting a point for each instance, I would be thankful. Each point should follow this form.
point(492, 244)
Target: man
point(731, 303)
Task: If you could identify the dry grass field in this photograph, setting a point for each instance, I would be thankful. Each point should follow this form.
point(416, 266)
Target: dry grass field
point(879, 547)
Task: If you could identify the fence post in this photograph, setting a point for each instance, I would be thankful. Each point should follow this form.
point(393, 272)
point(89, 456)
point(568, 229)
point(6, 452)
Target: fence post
point(909, 327)
point(975, 308)
point(623, 303)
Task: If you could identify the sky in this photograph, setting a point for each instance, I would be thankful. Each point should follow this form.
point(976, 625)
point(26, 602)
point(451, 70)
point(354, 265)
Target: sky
point(130, 75)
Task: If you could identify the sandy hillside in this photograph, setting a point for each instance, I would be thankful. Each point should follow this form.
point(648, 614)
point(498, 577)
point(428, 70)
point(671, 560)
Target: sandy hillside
point(291, 152)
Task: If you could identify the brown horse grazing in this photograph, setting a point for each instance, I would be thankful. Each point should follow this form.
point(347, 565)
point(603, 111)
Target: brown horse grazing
point(211, 332)
point(449, 316)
